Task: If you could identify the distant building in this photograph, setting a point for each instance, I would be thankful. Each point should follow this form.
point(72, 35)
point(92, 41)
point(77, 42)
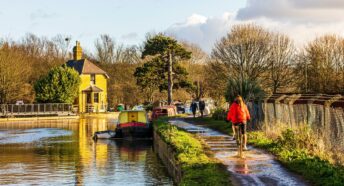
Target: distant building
point(93, 88)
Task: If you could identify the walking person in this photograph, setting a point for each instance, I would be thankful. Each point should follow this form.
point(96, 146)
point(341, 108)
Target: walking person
point(238, 114)
point(201, 107)
point(194, 108)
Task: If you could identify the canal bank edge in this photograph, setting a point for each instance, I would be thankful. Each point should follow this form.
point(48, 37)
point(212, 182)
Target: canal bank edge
point(184, 157)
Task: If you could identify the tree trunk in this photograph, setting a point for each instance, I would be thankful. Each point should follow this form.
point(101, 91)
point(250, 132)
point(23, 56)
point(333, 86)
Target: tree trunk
point(170, 79)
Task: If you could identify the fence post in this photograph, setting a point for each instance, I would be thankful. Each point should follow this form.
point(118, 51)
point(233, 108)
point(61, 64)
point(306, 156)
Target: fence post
point(277, 106)
point(327, 115)
point(291, 100)
point(38, 108)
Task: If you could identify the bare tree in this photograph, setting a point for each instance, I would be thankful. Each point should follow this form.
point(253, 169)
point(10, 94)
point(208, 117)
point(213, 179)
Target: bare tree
point(216, 78)
point(195, 67)
point(62, 45)
point(323, 61)
point(13, 77)
point(282, 59)
point(105, 49)
point(245, 51)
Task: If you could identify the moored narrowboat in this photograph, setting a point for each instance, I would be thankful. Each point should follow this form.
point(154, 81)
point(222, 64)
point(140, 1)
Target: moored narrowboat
point(164, 111)
point(134, 124)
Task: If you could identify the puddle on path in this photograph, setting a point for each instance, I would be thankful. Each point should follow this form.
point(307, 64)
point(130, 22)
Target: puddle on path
point(257, 168)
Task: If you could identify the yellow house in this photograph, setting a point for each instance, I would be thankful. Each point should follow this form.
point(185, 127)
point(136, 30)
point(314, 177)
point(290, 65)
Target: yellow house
point(93, 88)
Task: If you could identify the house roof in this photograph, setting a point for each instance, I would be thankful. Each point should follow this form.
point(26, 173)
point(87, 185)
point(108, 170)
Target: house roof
point(92, 88)
point(84, 66)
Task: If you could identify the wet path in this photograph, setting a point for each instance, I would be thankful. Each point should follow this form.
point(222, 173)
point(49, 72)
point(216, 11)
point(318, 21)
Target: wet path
point(258, 168)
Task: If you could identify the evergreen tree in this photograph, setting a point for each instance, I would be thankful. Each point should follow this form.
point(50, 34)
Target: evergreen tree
point(163, 70)
point(60, 85)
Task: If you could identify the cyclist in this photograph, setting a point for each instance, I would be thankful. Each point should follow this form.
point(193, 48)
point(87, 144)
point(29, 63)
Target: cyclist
point(238, 114)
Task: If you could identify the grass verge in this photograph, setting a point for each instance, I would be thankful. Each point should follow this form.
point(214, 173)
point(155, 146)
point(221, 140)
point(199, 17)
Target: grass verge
point(219, 125)
point(290, 149)
point(299, 160)
point(197, 167)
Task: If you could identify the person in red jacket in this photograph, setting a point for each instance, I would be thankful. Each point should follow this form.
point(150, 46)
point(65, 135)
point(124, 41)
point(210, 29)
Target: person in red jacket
point(238, 114)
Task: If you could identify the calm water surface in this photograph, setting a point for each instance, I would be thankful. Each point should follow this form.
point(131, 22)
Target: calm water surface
point(61, 152)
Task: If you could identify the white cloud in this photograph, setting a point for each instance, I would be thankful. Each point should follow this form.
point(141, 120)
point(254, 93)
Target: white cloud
point(294, 10)
point(201, 30)
point(320, 4)
point(302, 20)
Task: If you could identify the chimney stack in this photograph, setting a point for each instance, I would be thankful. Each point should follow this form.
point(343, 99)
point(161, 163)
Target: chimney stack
point(77, 51)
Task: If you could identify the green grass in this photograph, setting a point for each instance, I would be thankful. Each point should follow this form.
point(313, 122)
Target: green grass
point(314, 169)
point(197, 167)
point(290, 151)
point(219, 125)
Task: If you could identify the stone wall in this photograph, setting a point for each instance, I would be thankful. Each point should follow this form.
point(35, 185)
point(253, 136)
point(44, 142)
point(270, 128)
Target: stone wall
point(167, 156)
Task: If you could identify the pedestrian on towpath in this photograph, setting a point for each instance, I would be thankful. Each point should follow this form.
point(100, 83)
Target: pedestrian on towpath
point(193, 108)
point(239, 115)
point(201, 107)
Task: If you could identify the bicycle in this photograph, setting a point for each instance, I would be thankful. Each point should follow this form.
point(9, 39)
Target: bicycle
point(240, 139)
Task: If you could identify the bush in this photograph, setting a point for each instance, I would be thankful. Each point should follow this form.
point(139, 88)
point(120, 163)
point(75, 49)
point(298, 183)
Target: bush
point(219, 114)
point(60, 85)
point(248, 89)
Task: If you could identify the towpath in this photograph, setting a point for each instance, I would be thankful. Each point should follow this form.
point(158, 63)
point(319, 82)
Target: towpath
point(258, 168)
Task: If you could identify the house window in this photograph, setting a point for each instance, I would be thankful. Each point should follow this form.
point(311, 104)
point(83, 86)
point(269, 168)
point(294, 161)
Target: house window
point(93, 79)
point(88, 98)
point(96, 97)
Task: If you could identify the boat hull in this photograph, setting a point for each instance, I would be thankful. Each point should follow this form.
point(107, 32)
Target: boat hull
point(135, 130)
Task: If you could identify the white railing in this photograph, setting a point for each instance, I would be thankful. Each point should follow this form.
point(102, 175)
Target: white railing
point(36, 109)
point(96, 108)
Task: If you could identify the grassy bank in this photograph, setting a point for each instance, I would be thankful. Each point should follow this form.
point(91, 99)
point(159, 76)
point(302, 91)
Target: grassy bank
point(293, 149)
point(289, 152)
point(219, 125)
point(197, 167)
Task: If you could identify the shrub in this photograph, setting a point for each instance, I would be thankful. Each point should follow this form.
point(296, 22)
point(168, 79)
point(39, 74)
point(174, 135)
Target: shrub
point(60, 85)
point(219, 114)
point(248, 89)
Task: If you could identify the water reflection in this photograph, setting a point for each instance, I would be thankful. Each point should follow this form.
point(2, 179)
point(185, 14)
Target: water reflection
point(55, 152)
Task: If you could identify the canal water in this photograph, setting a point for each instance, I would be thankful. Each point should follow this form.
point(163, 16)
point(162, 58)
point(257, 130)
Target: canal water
point(56, 152)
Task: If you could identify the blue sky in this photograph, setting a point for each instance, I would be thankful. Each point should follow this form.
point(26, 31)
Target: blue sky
point(126, 20)
point(202, 22)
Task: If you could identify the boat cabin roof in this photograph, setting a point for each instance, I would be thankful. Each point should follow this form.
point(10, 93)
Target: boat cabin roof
point(128, 116)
